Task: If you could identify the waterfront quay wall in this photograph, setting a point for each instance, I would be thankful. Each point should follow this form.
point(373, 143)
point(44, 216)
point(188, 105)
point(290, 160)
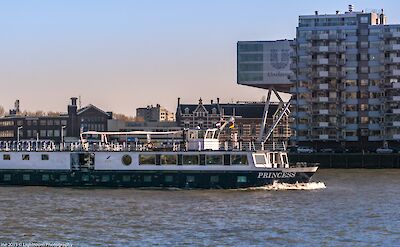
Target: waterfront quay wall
point(348, 160)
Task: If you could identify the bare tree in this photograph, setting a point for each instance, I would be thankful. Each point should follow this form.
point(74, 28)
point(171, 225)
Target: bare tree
point(2, 111)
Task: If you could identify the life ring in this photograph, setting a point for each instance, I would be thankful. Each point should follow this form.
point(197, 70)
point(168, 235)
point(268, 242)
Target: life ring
point(126, 160)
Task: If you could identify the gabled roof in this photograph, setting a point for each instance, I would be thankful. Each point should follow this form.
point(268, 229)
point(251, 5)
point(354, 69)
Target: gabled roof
point(90, 106)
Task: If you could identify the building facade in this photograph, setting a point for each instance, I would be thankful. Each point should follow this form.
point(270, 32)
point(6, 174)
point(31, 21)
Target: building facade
point(67, 126)
point(155, 114)
point(248, 118)
point(346, 88)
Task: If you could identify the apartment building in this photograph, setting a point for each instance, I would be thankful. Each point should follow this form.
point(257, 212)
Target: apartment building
point(346, 80)
point(155, 114)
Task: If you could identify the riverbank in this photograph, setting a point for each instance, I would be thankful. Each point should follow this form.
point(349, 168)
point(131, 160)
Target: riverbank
point(348, 160)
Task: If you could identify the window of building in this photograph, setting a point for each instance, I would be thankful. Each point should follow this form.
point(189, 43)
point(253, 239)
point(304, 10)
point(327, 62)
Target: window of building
point(168, 178)
point(214, 159)
point(105, 178)
point(147, 159)
point(237, 159)
point(7, 177)
point(126, 178)
point(190, 159)
point(189, 179)
point(214, 179)
point(147, 178)
point(241, 179)
point(168, 159)
point(63, 178)
point(45, 177)
point(6, 157)
point(26, 177)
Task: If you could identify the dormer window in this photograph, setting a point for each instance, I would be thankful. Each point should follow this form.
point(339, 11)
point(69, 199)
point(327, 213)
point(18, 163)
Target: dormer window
point(186, 110)
point(214, 110)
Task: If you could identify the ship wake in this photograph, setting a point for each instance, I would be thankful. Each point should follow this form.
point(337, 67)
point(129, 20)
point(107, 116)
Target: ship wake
point(286, 186)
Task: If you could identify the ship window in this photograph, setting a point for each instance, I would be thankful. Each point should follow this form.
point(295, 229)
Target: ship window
point(259, 159)
point(214, 179)
point(189, 179)
point(168, 178)
point(85, 178)
point(7, 177)
point(147, 159)
point(168, 159)
point(45, 177)
point(105, 178)
point(26, 177)
point(241, 179)
point(45, 157)
point(285, 159)
point(25, 157)
point(147, 178)
point(126, 178)
point(6, 157)
point(63, 178)
point(239, 159)
point(190, 159)
point(214, 159)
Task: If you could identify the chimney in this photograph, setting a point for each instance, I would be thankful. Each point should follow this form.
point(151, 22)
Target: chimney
point(382, 18)
point(212, 101)
point(179, 101)
point(16, 105)
point(316, 12)
point(218, 101)
point(73, 101)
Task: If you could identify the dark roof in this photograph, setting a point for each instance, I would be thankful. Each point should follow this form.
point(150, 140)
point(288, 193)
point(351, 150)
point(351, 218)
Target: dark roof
point(90, 106)
point(252, 110)
point(193, 107)
point(245, 110)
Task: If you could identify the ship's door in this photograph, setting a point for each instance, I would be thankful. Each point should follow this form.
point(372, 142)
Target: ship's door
point(82, 161)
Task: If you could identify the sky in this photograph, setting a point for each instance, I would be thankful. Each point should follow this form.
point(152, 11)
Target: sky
point(120, 55)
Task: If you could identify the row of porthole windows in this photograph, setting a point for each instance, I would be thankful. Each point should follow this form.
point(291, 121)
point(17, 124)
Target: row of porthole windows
point(125, 178)
point(172, 159)
point(45, 177)
point(25, 157)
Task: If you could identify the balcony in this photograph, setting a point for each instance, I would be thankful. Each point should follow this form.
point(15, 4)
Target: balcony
point(374, 114)
point(323, 36)
point(394, 72)
point(351, 114)
point(351, 138)
point(338, 36)
point(351, 126)
point(351, 89)
point(319, 49)
point(375, 138)
point(392, 47)
point(390, 60)
point(374, 126)
point(392, 35)
point(396, 136)
point(396, 124)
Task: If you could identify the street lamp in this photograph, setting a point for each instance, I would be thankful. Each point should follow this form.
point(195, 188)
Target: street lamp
point(18, 129)
point(62, 133)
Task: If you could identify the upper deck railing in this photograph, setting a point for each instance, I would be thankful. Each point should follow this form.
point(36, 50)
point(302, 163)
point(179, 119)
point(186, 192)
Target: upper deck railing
point(50, 146)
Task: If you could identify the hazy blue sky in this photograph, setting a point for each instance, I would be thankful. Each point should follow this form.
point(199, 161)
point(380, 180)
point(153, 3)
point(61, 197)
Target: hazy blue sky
point(120, 55)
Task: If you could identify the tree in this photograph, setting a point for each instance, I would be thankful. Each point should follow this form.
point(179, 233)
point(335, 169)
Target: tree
point(2, 111)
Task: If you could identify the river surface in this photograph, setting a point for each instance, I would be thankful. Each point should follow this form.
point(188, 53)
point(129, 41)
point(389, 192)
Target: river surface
point(357, 208)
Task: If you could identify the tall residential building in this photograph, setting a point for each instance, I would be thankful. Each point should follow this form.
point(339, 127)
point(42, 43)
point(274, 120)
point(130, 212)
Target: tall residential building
point(155, 114)
point(346, 81)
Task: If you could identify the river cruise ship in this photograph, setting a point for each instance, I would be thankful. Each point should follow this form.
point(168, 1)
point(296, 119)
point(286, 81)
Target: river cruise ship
point(201, 161)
